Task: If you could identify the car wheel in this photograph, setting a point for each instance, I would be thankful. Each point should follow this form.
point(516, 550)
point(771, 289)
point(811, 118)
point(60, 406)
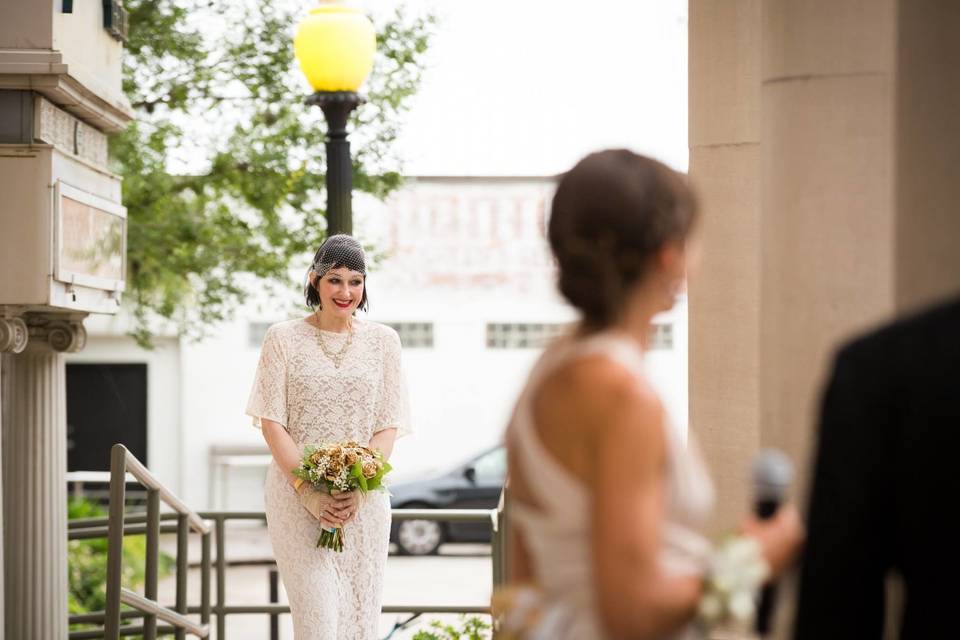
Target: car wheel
point(419, 537)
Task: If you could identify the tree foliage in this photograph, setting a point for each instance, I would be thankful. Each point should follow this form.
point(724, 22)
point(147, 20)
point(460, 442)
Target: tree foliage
point(224, 168)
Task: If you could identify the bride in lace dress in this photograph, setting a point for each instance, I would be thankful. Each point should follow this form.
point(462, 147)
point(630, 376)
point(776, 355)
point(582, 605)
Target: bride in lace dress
point(608, 500)
point(329, 377)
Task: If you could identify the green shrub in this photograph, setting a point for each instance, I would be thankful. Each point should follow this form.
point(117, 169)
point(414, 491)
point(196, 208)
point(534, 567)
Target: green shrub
point(472, 628)
point(87, 563)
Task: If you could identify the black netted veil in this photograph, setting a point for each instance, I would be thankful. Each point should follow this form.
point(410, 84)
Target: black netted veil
point(340, 250)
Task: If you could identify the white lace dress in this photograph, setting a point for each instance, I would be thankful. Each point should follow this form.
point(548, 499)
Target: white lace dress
point(332, 595)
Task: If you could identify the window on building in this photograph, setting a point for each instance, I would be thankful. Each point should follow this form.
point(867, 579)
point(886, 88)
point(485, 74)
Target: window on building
point(414, 335)
point(519, 335)
point(662, 337)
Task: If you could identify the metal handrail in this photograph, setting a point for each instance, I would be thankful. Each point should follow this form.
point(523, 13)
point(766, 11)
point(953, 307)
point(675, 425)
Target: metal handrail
point(121, 462)
point(118, 524)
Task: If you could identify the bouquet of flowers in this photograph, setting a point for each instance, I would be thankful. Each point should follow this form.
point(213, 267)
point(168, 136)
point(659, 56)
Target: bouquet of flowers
point(346, 466)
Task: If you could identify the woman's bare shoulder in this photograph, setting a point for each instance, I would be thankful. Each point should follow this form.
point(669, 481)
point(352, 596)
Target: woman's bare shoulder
point(599, 386)
point(590, 406)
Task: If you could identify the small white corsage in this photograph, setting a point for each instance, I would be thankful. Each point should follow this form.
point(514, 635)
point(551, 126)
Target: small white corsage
point(737, 570)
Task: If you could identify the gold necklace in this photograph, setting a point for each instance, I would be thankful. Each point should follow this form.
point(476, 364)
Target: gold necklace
point(335, 356)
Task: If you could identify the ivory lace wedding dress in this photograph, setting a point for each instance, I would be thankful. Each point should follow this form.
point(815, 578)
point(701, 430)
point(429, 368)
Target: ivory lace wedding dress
point(332, 595)
point(557, 531)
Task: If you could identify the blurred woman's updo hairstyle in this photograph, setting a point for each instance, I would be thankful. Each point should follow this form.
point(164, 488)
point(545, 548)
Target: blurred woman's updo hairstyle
point(611, 214)
point(337, 251)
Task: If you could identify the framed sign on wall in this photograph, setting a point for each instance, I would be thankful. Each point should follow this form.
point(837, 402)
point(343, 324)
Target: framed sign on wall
point(90, 237)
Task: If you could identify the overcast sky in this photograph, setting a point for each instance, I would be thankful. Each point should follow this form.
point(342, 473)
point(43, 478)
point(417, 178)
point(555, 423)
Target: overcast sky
point(527, 87)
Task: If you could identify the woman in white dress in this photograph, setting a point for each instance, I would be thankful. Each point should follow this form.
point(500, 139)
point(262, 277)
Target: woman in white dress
point(329, 377)
point(609, 501)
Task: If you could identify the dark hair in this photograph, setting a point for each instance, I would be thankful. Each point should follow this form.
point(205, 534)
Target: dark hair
point(611, 213)
point(312, 296)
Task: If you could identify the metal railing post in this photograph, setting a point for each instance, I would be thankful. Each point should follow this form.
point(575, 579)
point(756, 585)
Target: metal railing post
point(118, 457)
point(205, 579)
point(503, 512)
point(274, 599)
point(221, 580)
point(182, 567)
point(152, 573)
point(498, 542)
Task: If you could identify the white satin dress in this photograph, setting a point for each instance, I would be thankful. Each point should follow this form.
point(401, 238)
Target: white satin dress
point(557, 532)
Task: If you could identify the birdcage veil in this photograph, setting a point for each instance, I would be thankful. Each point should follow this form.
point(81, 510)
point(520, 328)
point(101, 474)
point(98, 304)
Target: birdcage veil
point(339, 251)
point(336, 251)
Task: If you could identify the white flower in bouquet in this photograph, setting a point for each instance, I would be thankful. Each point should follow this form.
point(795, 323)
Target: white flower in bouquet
point(737, 570)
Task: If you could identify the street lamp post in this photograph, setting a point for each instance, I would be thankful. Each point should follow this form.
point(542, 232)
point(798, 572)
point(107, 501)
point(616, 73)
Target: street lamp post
point(335, 45)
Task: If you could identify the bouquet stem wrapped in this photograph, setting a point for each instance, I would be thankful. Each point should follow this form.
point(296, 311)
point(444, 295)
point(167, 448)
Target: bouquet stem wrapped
point(346, 466)
point(331, 539)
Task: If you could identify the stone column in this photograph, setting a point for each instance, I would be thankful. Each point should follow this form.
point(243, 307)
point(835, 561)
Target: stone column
point(827, 175)
point(724, 301)
point(34, 483)
point(792, 147)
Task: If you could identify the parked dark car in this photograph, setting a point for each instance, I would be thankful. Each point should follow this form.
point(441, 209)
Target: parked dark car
point(474, 484)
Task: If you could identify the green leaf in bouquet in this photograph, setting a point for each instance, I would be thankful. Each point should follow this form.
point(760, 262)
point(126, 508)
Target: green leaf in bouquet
point(357, 472)
point(377, 481)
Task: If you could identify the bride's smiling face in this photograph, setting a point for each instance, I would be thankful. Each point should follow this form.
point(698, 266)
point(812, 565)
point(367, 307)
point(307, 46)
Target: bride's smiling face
point(341, 291)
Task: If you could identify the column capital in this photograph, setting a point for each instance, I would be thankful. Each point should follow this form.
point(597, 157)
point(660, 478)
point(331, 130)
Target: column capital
point(62, 332)
point(13, 335)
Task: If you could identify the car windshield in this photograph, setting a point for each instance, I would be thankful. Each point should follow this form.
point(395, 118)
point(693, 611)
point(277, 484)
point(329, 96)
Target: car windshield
point(491, 466)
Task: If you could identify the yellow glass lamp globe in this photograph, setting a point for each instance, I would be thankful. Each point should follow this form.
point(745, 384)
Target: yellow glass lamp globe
point(335, 45)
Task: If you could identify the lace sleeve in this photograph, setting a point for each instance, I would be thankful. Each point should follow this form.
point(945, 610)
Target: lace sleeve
point(394, 410)
point(268, 398)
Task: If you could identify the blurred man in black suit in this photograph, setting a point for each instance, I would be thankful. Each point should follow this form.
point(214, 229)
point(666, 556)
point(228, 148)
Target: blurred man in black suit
point(886, 486)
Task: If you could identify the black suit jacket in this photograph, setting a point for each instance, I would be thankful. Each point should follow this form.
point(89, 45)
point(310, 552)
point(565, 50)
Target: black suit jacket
point(886, 487)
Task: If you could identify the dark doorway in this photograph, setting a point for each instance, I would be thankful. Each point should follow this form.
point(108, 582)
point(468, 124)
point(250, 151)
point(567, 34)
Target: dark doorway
point(106, 404)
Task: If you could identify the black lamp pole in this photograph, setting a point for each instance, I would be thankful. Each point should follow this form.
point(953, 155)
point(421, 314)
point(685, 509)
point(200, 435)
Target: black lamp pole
point(337, 106)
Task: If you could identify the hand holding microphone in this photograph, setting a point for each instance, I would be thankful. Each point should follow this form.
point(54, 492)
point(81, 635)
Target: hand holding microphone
point(741, 565)
point(772, 475)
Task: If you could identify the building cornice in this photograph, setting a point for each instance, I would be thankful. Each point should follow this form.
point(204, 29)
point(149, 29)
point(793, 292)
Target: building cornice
point(45, 72)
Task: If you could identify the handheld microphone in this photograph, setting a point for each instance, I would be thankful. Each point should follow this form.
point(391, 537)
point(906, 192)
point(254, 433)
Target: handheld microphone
point(772, 475)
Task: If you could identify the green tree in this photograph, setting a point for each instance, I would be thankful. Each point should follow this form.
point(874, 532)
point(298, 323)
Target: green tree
point(224, 169)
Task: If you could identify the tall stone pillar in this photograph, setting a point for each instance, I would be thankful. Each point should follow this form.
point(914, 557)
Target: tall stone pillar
point(828, 209)
point(725, 293)
point(34, 483)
